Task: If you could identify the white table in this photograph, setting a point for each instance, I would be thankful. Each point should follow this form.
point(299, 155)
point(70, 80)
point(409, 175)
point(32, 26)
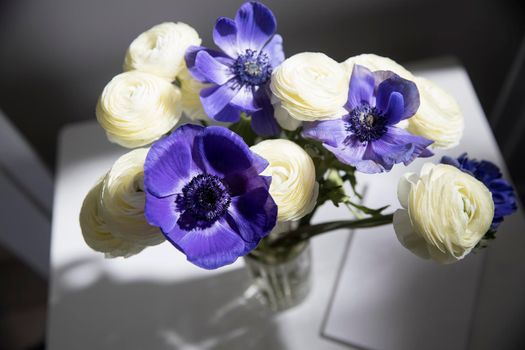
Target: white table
point(157, 300)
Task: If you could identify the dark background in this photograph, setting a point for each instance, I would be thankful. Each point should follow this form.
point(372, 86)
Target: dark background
point(57, 55)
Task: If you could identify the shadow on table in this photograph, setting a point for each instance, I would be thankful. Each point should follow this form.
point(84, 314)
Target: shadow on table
point(208, 313)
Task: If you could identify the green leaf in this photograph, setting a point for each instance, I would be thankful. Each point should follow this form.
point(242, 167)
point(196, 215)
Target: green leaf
point(243, 128)
point(332, 189)
point(367, 210)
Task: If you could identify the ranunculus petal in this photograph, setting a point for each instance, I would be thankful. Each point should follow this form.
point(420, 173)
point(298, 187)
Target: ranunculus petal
point(274, 50)
point(137, 108)
point(225, 36)
point(407, 236)
point(160, 50)
point(255, 25)
point(165, 170)
point(361, 87)
point(330, 132)
point(211, 69)
point(214, 247)
point(293, 188)
point(310, 86)
point(216, 98)
point(404, 186)
point(394, 83)
point(449, 212)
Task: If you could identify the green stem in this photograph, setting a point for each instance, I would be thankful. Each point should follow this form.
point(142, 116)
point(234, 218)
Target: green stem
point(306, 232)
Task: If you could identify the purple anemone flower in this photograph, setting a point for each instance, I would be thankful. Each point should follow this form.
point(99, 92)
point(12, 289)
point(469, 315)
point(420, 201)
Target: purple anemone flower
point(367, 137)
point(205, 192)
point(503, 195)
point(241, 71)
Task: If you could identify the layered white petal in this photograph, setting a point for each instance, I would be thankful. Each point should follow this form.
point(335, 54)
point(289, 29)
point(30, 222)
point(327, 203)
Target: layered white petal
point(284, 119)
point(96, 233)
point(293, 186)
point(191, 100)
point(160, 50)
point(137, 108)
point(123, 199)
point(375, 63)
point(311, 86)
point(438, 118)
point(446, 214)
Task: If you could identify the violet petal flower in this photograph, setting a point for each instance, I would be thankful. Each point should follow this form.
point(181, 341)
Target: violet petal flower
point(241, 70)
point(503, 194)
point(205, 192)
point(367, 137)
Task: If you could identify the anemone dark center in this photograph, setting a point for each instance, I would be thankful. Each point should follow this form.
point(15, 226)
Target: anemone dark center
point(252, 68)
point(366, 122)
point(204, 200)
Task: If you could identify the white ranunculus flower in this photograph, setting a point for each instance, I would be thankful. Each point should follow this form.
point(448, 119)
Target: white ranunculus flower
point(191, 100)
point(96, 233)
point(446, 212)
point(137, 108)
point(293, 186)
point(123, 199)
point(375, 63)
point(160, 50)
point(311, 86)
point(438, 118)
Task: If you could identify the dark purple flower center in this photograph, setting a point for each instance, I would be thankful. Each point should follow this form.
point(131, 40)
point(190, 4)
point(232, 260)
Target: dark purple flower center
point(203, 201)
point(365, 122)
point(252, 68)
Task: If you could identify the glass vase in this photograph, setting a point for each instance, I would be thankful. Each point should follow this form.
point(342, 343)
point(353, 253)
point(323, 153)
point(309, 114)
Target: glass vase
point(281, 275)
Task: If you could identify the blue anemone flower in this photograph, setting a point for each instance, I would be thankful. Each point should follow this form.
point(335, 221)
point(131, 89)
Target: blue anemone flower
point(241, 71)
point(367, 137)
point(487, 172)
point(205, 192)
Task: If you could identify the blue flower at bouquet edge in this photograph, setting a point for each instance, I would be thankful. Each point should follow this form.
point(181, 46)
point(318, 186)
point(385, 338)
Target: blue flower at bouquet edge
point(240, 73)
point(204, 191)
point(489, 174)
point(367, 137)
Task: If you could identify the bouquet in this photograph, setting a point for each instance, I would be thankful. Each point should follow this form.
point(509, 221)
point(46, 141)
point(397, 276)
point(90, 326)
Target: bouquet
point(267, 140)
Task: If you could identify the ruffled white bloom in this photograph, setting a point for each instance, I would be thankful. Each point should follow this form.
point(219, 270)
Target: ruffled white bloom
point(446, 212)
point(123, 199)
point(160, 50)
point(293, 186)
point(438, 118)
point(96, 233)
point(191, 100)
point(137, 108)
point(375, 63)
point(311, 86)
